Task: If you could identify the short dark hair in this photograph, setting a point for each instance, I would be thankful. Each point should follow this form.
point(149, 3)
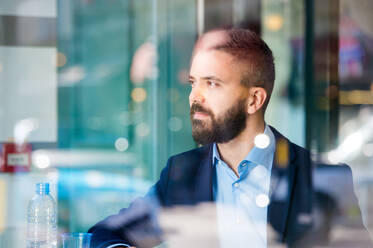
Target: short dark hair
point(248, 47)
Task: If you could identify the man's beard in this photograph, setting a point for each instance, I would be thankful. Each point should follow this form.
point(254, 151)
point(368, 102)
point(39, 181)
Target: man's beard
point(219, 130)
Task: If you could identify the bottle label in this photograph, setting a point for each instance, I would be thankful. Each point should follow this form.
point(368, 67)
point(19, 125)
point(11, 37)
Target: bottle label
point(18, 159)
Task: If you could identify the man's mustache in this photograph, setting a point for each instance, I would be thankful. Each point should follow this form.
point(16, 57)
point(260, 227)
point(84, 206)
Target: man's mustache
point(198, 108)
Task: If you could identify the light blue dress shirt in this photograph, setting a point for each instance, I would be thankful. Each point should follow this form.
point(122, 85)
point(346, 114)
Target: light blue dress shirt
point(242, 202)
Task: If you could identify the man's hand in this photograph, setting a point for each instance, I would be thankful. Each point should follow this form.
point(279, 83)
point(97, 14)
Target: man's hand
point(137, 224)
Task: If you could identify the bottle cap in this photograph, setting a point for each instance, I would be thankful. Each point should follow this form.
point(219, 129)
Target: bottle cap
point(42, 188)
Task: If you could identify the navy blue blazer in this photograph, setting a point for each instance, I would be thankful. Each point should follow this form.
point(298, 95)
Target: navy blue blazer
point(188, 179)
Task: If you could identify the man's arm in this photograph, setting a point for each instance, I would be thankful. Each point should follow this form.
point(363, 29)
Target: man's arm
point(135, 225)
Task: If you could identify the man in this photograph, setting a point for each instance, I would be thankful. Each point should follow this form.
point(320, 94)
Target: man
point(253, 173)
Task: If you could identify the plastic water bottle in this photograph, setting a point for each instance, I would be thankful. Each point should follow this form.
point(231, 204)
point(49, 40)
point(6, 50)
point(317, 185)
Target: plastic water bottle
point(42, 219)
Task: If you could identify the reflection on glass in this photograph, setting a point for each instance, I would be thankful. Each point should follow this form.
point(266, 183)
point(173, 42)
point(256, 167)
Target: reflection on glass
point(95, 97)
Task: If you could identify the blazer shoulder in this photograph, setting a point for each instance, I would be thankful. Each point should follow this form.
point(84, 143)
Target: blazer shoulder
point(295, 151)
point(300, 150)
point(191, 158)
point(200, 151)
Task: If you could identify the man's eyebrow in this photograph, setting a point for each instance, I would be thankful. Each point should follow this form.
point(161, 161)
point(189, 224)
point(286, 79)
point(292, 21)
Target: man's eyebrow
point(207, 78)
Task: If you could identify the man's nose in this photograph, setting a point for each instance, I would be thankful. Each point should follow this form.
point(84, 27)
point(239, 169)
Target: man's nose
point(197, 94)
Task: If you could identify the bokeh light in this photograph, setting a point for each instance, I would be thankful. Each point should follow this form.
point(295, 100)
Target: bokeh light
point(175, 124)
point(71, 75)
point(121, 144)
point(61, 59)
point(94, 179)
point(262, 141)
point(142, 129)
point(274, 22)
point(138, 95)
point(262, 200)
point(41, 161)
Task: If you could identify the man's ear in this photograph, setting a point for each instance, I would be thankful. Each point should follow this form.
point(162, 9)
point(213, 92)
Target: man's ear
point(256, 99)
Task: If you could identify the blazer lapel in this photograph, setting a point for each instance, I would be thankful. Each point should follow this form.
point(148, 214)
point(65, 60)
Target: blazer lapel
point(204, 177)
point(281, 184)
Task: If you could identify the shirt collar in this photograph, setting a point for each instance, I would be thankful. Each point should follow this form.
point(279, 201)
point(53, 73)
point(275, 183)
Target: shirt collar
point(259, 156)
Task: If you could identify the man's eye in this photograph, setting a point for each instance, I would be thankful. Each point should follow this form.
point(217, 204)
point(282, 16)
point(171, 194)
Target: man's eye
point(212, 84)
point(191, 83)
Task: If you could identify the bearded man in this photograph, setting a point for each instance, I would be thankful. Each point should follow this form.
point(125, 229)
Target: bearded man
point(242, 161)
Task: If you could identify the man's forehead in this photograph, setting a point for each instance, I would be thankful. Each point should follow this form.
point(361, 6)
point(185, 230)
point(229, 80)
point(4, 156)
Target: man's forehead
point(215, 63)
point(211, 40)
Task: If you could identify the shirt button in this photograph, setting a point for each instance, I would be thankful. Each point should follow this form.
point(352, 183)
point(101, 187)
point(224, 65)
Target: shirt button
point(236, 185)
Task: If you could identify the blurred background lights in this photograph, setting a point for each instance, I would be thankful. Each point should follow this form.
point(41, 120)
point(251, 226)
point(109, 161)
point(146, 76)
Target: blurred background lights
point(143, 61)
point(353, 97)
point(23, 129)
point(138, 95)
point(121, 144)
point(175, 124)
point(61, 59)
point(142, 129)
point(352, 143)
point(42, 161)
point(71, 75)
point(262, 200)
point(94, 179)
point(274, 22)
point(261, 141)
point(368, 150)
point(333, 157)
point(183, 76)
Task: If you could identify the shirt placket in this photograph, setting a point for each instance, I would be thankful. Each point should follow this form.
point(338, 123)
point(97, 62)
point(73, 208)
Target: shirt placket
point(237, 190)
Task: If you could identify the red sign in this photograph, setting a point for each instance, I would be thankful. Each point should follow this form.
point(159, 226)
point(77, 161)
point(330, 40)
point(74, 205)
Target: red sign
point(15, 157)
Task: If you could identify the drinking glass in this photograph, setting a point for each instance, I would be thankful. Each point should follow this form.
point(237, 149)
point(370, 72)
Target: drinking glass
point(76, 240)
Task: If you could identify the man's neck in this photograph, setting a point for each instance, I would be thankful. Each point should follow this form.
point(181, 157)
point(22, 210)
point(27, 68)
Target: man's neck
point(234, 151)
